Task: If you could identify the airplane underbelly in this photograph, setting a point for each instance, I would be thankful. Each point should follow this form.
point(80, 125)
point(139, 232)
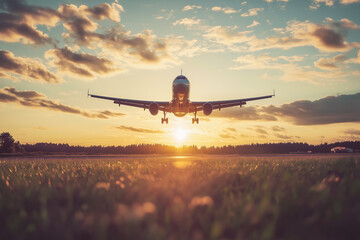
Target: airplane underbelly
point(179, 114)
point(180, 110)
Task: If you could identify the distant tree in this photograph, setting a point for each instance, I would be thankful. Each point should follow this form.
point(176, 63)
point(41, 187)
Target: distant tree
point(18, 147)
point(7, 143)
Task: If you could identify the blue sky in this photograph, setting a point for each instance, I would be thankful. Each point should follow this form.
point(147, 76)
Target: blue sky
point(307, 50)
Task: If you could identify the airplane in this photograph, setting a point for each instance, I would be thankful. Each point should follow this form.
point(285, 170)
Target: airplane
point(180, 104)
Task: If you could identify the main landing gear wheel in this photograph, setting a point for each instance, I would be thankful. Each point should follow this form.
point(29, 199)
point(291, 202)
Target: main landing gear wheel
point(195, 119)
point(164, 119)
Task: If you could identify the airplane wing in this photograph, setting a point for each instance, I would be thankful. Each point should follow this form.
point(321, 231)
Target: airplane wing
point(198, 106)
point(163, 106)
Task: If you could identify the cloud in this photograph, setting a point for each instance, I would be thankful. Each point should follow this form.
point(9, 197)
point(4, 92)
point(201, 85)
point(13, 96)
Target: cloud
point(23, 94)
point(305, 74)
point(278, 129)
point(316, 3)
point(352, 131)
point(26, 68)
point(327, 110)
point(138, 48)
point(330, 63)
point(349, 1)
point(167, 15)
point(191, 7)
point(231, 129)
point(34, 99)
point(139, 130)
point(246, 113)
point(259, 129)
point(77, 19)
point(343, 23)
point(282, 136)
point(291, 71)
point(11, 31)
point(252, 12)
point(105, 11)
point(329, 36)
point(226, 10)
point(19, 22)
point(187, 22)
point(253, 24)
point(144, 49)
point(228, 133)
point(331, 109)
point(32, 15)
point(263, 131)
point(226, 35)
point(79, 64)
point(224, 135)
point(263, 61)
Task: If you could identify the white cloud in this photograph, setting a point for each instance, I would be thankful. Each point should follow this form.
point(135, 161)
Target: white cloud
point(316, 3)
point(252, 12)
point(343, 23)
point(226, 35)
point(253, 24)
point(191, 7)
point(291, 71)
point(330, 63)
point(349, 1)
point(226, 10)
point(187, 22)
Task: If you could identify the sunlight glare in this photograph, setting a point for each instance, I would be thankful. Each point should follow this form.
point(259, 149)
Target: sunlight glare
point(180, 134)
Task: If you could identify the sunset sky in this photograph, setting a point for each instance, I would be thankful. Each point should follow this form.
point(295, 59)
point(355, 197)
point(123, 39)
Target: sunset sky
point(52, 52)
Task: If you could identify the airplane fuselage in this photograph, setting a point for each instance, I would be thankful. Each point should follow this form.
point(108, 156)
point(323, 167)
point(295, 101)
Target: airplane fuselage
point(180, 103)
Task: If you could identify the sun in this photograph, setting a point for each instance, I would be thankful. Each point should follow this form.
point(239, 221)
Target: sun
point(180, 134)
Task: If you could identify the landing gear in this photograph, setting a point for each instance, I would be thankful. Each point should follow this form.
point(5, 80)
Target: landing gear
point(164, 119)
point(195, 119)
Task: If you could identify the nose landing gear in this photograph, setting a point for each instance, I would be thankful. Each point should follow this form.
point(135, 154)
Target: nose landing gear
point(195, 119)
point(164, 119)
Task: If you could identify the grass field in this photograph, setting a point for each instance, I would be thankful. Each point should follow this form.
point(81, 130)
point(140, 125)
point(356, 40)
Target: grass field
point(196, 197)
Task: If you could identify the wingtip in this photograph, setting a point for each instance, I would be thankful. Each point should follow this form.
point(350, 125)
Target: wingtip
point(274, 92)
point(88, 94)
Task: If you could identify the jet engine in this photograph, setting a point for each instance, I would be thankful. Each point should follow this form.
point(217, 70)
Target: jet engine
point(207, 109)
point(154, 108)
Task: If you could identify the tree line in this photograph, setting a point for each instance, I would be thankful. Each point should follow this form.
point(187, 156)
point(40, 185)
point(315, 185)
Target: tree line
point(265, 148)
point(9, 145)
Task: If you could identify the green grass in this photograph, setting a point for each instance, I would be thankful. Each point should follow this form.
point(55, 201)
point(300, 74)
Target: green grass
point(224, 197)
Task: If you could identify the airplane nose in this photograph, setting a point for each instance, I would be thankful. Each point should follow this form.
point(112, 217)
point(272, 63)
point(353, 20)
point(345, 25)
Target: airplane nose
point(180, 88)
